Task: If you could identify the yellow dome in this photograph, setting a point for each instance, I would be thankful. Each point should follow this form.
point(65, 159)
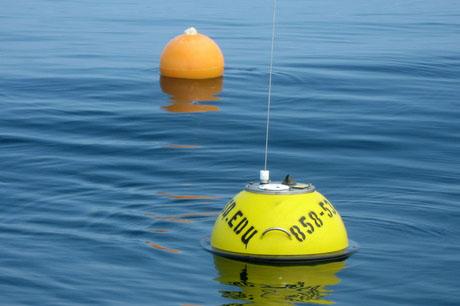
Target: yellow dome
point(280, 222)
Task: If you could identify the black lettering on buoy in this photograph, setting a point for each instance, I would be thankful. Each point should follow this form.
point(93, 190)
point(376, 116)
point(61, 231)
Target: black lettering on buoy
point(230, 205)
point(310, 228)
point(298, 234)
point(314, 217)
point(248, 235)
point(235, 216)
point(240, 226)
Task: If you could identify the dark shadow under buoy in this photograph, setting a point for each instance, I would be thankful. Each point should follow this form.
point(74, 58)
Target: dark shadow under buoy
point(185, 93)
point(277, 285)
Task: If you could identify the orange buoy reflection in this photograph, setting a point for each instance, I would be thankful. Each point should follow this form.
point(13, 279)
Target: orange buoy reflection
point(260, 284)
point(162, 248)
point(181, 146)
point(180, 218)
point(185, 93)
point(187, 197)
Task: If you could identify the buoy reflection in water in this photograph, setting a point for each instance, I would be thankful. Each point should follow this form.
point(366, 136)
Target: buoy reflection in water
point(277, 285)
point(185, 93)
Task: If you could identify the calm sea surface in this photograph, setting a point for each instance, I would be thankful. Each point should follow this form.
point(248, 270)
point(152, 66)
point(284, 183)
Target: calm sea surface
point(110, 176)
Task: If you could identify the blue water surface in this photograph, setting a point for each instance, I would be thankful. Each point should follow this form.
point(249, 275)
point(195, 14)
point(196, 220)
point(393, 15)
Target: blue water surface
point(109, 176)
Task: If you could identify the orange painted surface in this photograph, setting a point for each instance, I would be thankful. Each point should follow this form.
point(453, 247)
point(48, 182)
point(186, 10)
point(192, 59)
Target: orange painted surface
point(192, 57)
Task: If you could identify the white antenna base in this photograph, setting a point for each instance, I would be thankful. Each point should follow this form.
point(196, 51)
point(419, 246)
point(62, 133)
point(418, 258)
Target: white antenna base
point(264, 176)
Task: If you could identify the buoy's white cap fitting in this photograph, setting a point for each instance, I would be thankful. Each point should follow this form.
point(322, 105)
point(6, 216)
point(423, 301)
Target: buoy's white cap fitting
point(191, 31)
point(274, 187)
point(264, 176)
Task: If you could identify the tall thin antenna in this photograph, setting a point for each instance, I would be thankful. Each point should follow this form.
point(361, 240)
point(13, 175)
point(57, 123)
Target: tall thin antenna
point(270, 85)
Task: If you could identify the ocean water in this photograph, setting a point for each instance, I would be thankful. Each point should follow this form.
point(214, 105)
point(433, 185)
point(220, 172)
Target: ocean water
point(111, 175)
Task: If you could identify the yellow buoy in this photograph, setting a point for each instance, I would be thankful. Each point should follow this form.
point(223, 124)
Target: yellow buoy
point(278, 284)
point(192, 56)
point(284, 221)
point(279, 222)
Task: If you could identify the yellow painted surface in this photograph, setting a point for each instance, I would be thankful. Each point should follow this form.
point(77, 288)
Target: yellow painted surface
point(304, 224)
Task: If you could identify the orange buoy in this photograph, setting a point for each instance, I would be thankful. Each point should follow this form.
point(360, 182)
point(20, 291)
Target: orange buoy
point(192, 56)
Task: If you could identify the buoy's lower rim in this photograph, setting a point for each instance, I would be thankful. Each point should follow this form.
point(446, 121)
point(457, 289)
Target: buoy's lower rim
point(284, 259)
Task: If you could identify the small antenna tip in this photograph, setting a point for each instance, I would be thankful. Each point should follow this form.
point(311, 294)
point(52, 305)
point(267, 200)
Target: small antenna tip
point(264, 176)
